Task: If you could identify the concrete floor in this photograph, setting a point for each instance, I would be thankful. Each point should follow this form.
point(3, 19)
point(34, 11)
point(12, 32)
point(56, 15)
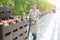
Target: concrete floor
point(45, 23)
point(50, 27)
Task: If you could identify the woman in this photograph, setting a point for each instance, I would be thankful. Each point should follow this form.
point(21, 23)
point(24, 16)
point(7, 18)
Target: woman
point(34, 15)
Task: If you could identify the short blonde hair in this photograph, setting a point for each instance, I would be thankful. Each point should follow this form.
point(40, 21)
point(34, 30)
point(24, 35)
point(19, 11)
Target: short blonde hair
point(33, 3)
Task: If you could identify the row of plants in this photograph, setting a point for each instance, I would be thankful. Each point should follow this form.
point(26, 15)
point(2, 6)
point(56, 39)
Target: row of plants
point(23, 6)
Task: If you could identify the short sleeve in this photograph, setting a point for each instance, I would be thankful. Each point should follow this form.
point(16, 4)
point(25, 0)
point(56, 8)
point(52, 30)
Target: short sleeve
point(39, 11)
point(30, 10)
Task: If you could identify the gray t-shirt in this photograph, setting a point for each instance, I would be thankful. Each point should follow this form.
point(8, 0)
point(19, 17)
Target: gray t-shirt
point(34, 13)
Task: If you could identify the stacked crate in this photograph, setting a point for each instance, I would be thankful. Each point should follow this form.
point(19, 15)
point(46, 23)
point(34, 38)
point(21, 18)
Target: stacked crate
point(16, 31)
point(25, 29)
point(5, 12)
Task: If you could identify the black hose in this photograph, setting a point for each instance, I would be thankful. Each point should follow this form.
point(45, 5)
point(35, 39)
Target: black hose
point(29, 27)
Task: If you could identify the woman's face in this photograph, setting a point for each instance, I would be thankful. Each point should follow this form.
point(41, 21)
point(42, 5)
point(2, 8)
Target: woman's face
point(33, 6)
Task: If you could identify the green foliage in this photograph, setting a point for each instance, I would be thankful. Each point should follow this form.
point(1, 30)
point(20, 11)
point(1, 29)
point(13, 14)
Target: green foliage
point(23, 6)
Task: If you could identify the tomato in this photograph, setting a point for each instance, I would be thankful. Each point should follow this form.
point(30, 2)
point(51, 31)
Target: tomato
point(6, 25)
point(1, 23)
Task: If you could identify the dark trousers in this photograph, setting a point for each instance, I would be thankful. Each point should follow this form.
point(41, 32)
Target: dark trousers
point(34, 36)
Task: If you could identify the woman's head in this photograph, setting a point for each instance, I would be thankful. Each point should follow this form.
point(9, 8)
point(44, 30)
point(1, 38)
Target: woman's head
point(33, 6)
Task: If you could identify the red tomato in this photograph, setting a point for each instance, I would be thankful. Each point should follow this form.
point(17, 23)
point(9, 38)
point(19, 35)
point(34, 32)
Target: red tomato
point(6, 25)
point(1, 23)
